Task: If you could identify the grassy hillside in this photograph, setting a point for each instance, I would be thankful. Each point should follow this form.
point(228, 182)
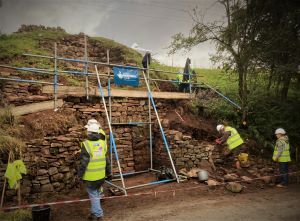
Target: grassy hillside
point(16, 44)
point(13, 46)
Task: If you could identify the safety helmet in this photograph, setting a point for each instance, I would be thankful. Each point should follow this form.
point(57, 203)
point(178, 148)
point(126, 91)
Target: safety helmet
point(92, 121)
point(219, 127)
point(280, 131)
point(93, 128)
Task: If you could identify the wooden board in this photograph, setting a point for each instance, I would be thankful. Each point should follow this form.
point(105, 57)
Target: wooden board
point(93, 91)
point(35, 107)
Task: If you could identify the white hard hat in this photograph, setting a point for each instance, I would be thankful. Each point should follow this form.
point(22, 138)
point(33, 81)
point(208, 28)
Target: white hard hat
point(219, 127)
point(280, 131)
point(93, 128)
point(92, 121)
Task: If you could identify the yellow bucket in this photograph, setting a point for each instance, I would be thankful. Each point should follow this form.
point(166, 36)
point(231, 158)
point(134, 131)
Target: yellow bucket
point(243, 157)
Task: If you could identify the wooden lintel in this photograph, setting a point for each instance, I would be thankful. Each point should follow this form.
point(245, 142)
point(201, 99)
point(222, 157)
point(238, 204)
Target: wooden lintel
point(93, 91)
point(35, 107)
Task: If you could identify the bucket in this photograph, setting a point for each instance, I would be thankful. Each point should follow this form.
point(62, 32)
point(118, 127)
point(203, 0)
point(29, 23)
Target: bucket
point(202, 175)
point(243, 157)
point(41, 213)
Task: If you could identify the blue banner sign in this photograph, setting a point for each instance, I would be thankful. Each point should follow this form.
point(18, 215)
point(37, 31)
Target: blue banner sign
point(126, 76)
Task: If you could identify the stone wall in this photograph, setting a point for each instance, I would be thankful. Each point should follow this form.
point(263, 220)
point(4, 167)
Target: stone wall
point(52, 161)
point(186, 151)
point(15, 93)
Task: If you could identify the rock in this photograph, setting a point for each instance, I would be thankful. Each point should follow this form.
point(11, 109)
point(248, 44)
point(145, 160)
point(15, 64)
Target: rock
point(211, 182)
point(165, 123)
point(52, 171)
point(231, 177)
point(245, 164)
point(209, 148)
point(45, 181)
point(190, 164)
point(193, 172)
point(47, 188)
point(26, 183)
point(186, 137)
point(54, 151)
point(25, 190)
point(246, 179)
point(253, 173)
point(206, 165)
point(67, 176)
point(10, 193)
point(234, 187)
point(178, 136)
point(56, 185)
point(42, 172)
point(56, 145)
point(68, 144)
point(64, 169)
point(64, 139)
point(183, 172)
point(62, 149)
point(57, 177)
point(266, 179)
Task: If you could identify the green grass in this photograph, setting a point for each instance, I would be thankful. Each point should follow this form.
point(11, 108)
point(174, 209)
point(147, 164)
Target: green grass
point(130, 54)
point(17, 44)
point(17, 215)
point(217, 78)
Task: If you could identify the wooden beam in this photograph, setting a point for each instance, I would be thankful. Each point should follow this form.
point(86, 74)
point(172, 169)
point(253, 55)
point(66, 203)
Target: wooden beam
point(35, 107)
point(93, 91)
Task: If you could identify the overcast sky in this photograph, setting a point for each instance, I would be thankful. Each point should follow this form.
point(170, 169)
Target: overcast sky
point(149, 23)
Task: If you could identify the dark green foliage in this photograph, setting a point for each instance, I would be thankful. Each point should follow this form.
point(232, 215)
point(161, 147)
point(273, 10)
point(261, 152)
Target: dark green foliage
point(266, 114)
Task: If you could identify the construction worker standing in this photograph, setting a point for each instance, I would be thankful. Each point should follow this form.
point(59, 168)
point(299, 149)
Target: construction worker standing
point(94, 165)
point(179, 78)
point(233, 140)
point(282, 155)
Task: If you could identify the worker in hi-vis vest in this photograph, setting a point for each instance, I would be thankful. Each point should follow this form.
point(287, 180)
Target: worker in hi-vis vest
point(233, 140)
point(282, 155)
point(183, 85)
point(94, 167)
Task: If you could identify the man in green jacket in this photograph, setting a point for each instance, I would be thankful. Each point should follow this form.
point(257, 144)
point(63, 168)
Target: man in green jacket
point(282, 155)
point(235, 144)
point(94, 167)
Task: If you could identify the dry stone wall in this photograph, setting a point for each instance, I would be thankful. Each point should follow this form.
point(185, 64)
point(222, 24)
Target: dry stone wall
point(52, 161)
point(15, 93)
point(186, 151)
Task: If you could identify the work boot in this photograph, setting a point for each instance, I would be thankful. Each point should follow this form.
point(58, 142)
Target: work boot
point(280, 185)
point(92, 217)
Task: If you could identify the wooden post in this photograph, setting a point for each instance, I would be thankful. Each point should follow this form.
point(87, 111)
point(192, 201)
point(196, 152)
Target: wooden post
point(5, 181)
point(3, 192)
point(19, 193)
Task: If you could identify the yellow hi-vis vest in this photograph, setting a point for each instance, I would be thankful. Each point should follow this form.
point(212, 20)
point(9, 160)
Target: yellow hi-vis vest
point(235, 139)
point(95, 169)
point(179, 77)
point(285, 155)
point(101, 131)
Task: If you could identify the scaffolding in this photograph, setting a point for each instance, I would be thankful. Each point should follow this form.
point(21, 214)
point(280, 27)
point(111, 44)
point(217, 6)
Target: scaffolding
point(108, 111)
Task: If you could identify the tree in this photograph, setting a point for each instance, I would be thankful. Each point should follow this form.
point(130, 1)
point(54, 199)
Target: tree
point(234, 39)
point(277, 43)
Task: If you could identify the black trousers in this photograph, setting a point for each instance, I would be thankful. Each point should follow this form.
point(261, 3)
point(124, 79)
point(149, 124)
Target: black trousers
point(283, 170)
